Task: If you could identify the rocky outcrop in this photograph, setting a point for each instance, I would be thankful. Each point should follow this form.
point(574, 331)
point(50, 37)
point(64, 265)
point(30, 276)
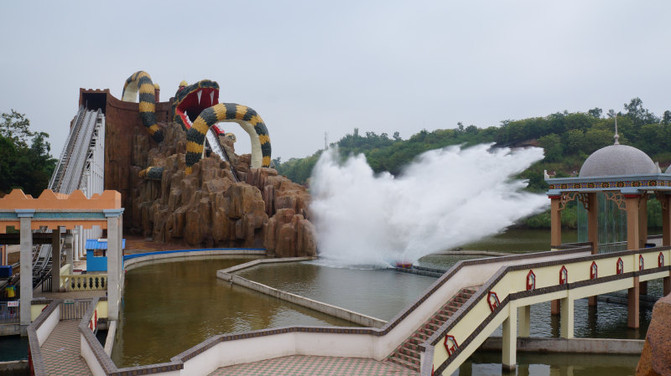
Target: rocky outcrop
point(209, 208)
point(656, 355)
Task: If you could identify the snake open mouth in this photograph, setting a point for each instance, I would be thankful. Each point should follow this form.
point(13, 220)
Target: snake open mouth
point(191, 100)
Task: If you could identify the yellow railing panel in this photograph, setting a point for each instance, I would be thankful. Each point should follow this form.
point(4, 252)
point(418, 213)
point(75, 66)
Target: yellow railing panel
point(516, 279)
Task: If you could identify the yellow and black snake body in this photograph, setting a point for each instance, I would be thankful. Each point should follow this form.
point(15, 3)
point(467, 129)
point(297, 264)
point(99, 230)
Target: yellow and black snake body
point(141, 82)
point(197, 103)
point(248, 119)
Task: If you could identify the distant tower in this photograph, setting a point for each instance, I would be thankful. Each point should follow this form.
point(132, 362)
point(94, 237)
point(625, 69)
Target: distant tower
point(326, 142)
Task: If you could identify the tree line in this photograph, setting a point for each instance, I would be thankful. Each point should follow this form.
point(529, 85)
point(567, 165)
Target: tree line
point(25, 161)
point(567, 138)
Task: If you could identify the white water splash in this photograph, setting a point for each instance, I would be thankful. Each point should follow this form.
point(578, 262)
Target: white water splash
point(444, 199)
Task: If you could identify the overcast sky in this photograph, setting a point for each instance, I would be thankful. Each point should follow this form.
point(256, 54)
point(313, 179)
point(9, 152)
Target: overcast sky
point(316, 67)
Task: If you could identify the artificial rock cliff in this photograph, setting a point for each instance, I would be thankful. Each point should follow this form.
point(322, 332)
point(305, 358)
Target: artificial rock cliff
point(656, 355)
point(209, 208)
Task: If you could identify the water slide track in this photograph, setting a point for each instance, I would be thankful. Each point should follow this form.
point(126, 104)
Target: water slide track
point(68, 176)
point(215, 146)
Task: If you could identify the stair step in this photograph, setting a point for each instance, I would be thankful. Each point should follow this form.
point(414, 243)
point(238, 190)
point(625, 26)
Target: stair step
point(409, 365)
point(409, 353)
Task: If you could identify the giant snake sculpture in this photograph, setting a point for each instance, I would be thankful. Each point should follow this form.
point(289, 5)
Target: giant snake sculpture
point(196, 109)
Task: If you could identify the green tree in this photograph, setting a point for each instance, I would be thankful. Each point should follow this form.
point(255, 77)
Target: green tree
point(25, 161)
point(16, 128)
point(553, 147)
point(638, 114)
point(595, 112)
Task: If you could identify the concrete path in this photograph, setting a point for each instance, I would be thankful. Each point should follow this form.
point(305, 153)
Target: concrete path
point(299, 365)
point(61, 350)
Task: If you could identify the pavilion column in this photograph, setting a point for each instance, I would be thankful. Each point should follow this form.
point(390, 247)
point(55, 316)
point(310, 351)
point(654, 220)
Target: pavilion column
point(593, 230)
point(633, 228)
point(55, 260)
point(555, 221)
point(69, 254)
point(114, 262)
point(666, 235)
point(26, 260)
point(643, 221)
point(643, 233)
point(81, 241)
point(592, 221)
point(666, 220)
point(633, 242)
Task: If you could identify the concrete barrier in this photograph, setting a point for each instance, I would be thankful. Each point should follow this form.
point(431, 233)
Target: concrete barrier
point(137, 260)
point(16, 367)
point(573, 345)
point(342, 313)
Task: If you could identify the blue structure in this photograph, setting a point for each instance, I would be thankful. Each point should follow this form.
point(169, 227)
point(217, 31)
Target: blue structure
point(96, 254)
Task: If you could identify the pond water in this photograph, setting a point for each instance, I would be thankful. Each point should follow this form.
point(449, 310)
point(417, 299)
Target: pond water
point(378, 293)
point(13, 348)
point(517, 240)
point(171, 307)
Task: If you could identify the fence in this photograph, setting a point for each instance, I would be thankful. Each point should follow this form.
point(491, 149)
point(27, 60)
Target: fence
point(74, 309)
point(9, 312)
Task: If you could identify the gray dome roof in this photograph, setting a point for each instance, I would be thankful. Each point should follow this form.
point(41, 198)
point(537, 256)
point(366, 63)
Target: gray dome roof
point(617, 160)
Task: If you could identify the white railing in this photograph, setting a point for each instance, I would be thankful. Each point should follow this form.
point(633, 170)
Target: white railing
point(84, 282)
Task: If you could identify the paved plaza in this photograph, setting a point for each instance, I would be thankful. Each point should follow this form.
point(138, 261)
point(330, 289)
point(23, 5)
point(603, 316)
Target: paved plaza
point(315, 366)
point(61, 351)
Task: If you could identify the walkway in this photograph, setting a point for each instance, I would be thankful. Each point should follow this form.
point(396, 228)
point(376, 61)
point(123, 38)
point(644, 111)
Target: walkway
point(298, 365)
point(61, 350)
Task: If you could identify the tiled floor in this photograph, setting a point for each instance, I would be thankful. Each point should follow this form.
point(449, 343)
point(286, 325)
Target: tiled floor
point(60, 351)
point(315, 366)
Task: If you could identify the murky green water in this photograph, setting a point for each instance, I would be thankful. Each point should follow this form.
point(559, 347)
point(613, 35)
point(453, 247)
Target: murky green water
point(378, 293)
point(520, 240)
point(13, 348)
point(171, 307)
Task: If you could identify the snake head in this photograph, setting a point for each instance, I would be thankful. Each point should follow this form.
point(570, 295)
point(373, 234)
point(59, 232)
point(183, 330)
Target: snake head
point(191, 100)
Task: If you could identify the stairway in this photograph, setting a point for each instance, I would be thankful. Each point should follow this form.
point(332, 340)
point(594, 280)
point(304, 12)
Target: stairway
point(407, 354)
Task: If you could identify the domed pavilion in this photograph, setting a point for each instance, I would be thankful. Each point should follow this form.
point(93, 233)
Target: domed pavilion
point(624, 178)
